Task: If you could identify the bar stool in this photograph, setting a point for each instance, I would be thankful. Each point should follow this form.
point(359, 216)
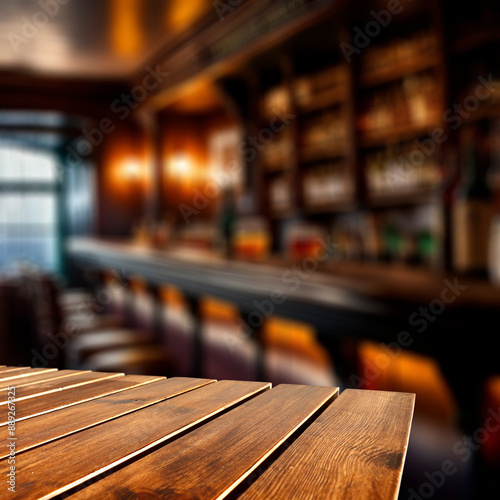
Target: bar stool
point(178, 328)
point(292, 355)
point(97, 333)
point(140, 354)
point(226, 353)
point(135, 348)
point(82, 337)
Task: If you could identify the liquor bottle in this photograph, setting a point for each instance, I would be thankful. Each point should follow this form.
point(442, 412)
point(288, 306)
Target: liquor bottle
point(472, 214)
point(494, 178)
point(227, 220)
point(494, 243)
point(443, 198)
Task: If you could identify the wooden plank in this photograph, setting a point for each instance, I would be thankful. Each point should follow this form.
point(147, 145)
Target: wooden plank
point(24, 372)
point(10, 369)
point(354, 450)
point(91, 452)
point(213, 459)
point(56, 385)
point(64, 399)
point(43, 429)
point(30, 379)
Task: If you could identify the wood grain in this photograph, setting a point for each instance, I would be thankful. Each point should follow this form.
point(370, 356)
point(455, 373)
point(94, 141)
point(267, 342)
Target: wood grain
point(46, 387)
point(55, 467)
point(10, 369)
point(143, 392)
point(354, 450)
point(64, 399)
point(34, 378)
point(24, 372)
point(213, 459)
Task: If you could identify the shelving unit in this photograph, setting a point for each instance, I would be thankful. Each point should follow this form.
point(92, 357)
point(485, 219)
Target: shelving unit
point(360, 155)
point(401, 100)
point(404, 68)
point(316, 170)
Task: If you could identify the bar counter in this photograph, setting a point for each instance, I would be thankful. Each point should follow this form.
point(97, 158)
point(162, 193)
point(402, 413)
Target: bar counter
point(361, 289)
point(443, 316)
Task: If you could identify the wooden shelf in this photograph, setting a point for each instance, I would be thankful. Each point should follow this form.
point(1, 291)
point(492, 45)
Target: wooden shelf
point(486, 111)
point(476, 41)
point(267, 116)
point(396, 135)
point(281, 213)
point(276, 163)
point(401, 197)
point(270, 169)
point(320, 152)
point(324, 99)
point(405, 68)
point(342, 204)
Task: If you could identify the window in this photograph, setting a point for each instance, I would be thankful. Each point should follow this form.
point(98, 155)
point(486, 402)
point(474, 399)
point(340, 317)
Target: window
point(28, 207)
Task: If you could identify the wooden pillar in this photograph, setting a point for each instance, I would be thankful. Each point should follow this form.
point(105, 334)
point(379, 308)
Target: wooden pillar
point(154, 203)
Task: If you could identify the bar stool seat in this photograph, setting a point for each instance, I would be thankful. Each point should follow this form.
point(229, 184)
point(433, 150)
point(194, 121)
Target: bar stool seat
point(137, 360)
point(74, 300)
point(84, 345)
point(91, 322)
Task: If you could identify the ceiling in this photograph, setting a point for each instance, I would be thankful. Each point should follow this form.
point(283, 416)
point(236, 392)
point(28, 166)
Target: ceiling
point(76, 56)
point(101, 39)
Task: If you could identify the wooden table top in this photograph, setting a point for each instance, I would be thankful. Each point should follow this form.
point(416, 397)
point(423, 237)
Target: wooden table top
point(90, 435)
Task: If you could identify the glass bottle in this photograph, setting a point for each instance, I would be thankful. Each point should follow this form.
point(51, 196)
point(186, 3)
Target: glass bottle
point(472, 213)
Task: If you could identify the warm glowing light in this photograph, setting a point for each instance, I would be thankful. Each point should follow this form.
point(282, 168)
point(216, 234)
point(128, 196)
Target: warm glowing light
point(126, 33)
point(132, 169)
point(180, 166)
point(181, 14)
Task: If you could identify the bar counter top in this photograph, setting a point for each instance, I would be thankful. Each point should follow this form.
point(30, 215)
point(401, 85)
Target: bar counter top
point(364, 286)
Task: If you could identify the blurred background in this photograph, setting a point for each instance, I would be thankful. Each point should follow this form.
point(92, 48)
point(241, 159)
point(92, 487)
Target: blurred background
point(296, 191)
